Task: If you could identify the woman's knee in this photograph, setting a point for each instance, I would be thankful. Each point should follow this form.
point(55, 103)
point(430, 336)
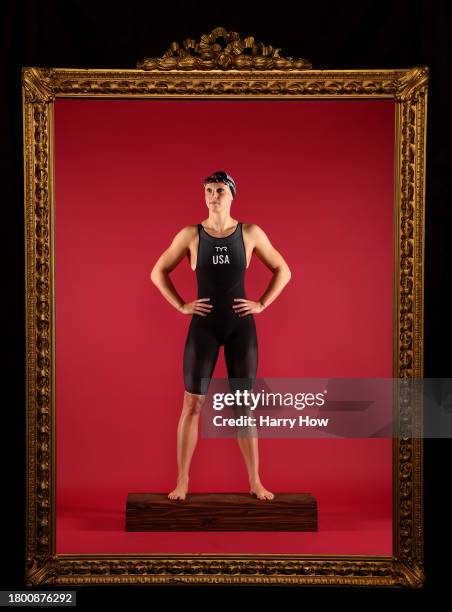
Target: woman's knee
point(193, 403)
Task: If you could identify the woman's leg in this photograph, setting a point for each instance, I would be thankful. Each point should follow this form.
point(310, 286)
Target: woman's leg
point(241, 355)
point(187, 436)
point(200, 356)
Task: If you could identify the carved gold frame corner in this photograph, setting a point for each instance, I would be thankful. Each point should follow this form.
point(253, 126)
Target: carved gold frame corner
point(232, 68)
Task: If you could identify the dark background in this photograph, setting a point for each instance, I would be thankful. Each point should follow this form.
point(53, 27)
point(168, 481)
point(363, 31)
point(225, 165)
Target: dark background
point(345, 35)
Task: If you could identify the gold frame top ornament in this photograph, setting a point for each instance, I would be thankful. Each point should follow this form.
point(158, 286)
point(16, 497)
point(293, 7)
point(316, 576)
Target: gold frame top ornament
point(210, 54)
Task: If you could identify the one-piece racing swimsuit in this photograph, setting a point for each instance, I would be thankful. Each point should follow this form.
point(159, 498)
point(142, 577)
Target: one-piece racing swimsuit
point(220, 272)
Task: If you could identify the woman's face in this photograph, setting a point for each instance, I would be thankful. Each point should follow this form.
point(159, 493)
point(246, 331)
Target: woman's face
point(218, 196)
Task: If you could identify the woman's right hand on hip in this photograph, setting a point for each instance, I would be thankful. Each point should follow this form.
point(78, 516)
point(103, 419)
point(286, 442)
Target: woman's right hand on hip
point(198, 307)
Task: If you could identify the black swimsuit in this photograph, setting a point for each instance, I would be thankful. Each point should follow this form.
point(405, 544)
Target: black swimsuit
point(220, 271)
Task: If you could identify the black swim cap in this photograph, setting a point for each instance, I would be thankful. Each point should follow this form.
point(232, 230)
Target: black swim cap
point(222, 177)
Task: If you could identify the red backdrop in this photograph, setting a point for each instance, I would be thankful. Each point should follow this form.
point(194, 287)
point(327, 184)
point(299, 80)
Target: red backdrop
point(317, 176)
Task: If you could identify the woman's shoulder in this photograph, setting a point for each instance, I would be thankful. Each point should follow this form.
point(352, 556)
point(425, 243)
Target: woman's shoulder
point(251, 228)
point(189, 230)
point(186, 235)
point(254, 234)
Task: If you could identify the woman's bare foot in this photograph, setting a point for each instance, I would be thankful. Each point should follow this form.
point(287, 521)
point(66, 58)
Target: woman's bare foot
point(181, 489)
point(260, 491)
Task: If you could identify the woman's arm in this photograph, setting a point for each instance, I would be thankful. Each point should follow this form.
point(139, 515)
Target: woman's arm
point(167, 261)
point(274, 262)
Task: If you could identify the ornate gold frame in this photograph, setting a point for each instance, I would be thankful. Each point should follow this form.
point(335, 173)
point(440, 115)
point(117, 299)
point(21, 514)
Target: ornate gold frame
point(234, 68)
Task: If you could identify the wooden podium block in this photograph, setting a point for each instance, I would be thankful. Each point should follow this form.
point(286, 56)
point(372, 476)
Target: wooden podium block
point(221, 512)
